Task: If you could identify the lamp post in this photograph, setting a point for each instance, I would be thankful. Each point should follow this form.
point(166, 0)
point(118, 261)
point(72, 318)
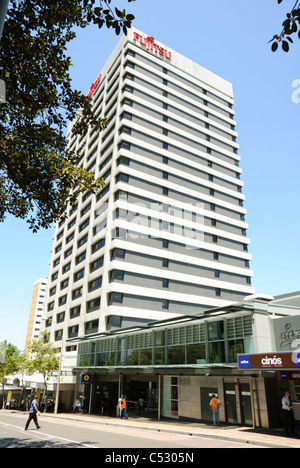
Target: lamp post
point(58, 380)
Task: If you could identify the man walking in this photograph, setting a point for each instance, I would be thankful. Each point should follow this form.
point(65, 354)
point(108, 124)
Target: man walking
point(33, 414)
point(215, 406)
point(288, 416)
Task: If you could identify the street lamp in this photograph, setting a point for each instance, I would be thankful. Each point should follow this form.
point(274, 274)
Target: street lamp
point(59, 377)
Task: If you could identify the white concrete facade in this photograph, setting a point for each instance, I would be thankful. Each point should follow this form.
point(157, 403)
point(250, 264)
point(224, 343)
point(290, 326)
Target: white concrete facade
point(167, 235)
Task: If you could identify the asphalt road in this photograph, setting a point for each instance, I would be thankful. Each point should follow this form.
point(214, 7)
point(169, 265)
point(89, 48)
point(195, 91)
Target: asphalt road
point(77, 434)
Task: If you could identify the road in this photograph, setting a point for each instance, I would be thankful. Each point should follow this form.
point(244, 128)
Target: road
point(61, 433)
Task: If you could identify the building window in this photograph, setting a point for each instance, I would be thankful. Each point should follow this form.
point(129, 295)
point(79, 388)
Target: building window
point(93, 305)
point(165, 304)
point(96, 264)
point(75, 312)
point(80, 258)
point(60, 317)
point(117, 275)
point(76, 293)
point(73, 331)
point(115, 298)
point(95, 284)
point(91, 327)
point(64, 284)
point(79, 275)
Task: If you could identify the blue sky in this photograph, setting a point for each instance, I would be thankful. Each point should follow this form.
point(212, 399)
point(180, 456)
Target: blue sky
point(231, 39)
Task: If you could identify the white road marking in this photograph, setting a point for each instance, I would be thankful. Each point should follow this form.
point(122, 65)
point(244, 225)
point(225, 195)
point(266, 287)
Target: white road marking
point(49, 436)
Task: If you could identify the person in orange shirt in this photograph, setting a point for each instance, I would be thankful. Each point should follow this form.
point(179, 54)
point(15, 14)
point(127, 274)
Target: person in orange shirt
point(124, 408)
point(215, 406)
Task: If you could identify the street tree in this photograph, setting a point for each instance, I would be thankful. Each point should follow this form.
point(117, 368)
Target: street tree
point(39, 176)
point(42, 358)
point(290, 28)
point(10, 363)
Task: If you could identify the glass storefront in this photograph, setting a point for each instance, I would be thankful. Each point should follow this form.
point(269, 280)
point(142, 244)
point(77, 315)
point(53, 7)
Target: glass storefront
point(170, 397)
point(197, 343)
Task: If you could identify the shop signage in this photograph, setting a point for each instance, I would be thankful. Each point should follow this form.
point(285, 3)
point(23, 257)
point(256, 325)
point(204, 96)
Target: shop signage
point(85, 379)
point(149, 43)
point(94, 86)
point(269, 361)
point(288, 375)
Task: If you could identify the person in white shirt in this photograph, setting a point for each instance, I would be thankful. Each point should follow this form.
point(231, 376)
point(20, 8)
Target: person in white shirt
point(288, 415)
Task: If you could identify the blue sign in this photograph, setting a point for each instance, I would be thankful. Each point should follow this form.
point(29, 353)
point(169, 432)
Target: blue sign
point(284, 375)
point(244, 362)
point(297, 359)
point(86, 379)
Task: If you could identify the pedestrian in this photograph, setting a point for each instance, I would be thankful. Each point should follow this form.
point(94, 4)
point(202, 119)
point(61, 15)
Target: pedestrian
point(124, 408)
point(77, 406)
point(288, 415)
point(33, 411)
point(140, 405)
point(215, 406)
point(120, 402)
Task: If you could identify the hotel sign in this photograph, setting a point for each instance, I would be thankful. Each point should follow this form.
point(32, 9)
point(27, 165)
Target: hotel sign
point(269, 361)
point(149, 44)
point(94, 86)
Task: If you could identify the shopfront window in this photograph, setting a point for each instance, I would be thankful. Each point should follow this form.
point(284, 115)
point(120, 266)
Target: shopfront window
point(235, 347)
point(196, 354)
point(217, 352)
point(176, 355)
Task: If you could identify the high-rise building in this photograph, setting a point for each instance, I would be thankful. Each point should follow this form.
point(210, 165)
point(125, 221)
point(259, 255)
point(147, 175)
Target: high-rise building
point(167, 235)
point(36, 311)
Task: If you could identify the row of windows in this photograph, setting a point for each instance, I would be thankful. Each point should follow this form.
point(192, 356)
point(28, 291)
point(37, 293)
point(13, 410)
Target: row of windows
point(204, 343)
point(73, 330)
point(146, 64)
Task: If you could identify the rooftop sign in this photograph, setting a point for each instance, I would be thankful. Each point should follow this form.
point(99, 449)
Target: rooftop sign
point(94, 86)
point(149, 43)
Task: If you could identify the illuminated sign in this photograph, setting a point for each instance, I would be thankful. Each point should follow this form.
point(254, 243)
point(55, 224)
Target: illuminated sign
point(94, 86)
point(149, 43)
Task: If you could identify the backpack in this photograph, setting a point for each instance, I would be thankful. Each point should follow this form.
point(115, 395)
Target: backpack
point(215, 404)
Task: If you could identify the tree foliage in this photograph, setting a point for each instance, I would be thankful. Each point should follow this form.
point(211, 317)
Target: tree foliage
point(39, 176)
point(290, 28)
point(42, 358)
point(10, 362)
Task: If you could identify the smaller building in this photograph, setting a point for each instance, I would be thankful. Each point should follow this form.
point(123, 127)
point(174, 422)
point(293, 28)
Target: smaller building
point(36, 311)
point(176, 365)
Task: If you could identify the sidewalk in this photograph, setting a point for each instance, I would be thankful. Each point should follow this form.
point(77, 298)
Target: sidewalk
point(272, 438)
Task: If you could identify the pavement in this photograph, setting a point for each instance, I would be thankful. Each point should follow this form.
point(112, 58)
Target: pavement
point(270, 438)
